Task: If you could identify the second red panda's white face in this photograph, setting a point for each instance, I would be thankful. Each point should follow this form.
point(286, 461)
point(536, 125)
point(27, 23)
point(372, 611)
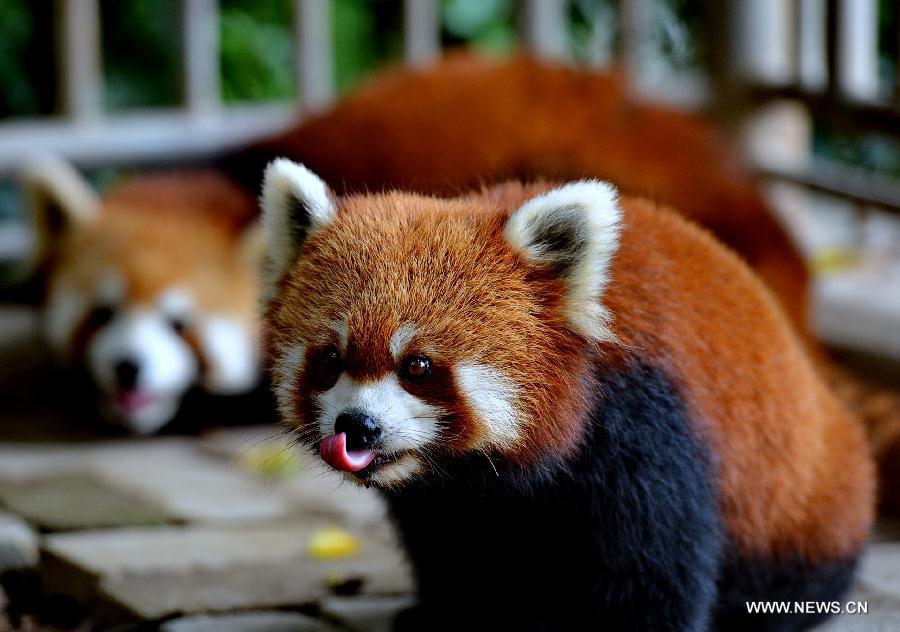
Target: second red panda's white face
point(408, 331)
point(150, 291)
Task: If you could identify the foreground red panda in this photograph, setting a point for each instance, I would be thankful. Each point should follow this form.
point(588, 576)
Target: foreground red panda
point(582, 410)
point(151, 289)
point(466, 121)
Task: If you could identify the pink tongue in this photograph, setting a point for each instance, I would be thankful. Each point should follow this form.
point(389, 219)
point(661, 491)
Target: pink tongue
point(334, 452)
point(133, 399)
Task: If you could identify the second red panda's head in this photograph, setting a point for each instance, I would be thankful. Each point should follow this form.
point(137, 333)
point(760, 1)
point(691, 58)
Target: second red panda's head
point(410, 330)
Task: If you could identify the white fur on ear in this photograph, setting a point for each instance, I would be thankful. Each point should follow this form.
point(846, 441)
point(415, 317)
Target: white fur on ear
point(296, 203)
point(57, 197)
point(574, 230)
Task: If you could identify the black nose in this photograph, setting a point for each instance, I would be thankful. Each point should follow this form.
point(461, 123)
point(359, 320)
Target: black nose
point(361, 430)
point(126, 371)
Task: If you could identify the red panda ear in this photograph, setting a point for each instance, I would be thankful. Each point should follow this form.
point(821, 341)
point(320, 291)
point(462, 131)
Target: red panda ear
point(295, 203)
point(573, 230)
point(57, 198)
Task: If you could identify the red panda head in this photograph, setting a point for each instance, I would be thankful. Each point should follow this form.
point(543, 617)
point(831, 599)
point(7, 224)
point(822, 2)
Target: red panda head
point(150, 290)
point(412, 330)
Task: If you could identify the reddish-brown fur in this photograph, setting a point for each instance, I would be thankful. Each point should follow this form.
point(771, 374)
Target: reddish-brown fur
point(794, 474)
point(469, 121)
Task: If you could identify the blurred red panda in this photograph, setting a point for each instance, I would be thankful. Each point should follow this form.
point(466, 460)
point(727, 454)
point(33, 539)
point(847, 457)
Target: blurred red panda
point(582, 410)
point(151, 288)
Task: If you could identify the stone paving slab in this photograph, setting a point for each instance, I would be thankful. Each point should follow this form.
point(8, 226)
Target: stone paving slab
point(176, 479)
point(171, 473)
point(878, 585)
point(150, 573)
point(365, 613)
point(878, 577)
point(247, 622)
point(295, 475)
point(77, 501)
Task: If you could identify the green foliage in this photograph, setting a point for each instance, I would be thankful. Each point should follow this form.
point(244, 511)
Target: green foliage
point(367, 34)
point(257, 50)
point(141, 52)
point(27, 58)
point(17, 93)
point(484, 25)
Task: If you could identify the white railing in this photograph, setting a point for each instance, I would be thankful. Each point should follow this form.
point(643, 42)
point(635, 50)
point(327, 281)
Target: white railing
point(823, 53)
point(88, 135)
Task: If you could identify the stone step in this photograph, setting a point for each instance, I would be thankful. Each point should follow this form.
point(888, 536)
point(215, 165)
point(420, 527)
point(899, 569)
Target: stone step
point(273, 621)
point(170, 479)
point(364, 613)
point(151, 573)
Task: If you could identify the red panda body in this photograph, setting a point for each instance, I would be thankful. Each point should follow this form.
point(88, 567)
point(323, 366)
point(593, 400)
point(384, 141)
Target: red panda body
point(465, 122)
point(583, 411)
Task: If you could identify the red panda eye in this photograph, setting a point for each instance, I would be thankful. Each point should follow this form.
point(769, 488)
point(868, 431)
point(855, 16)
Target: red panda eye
point(415, 368)
point(178, 325)
point(327, 367)
point(102, 315)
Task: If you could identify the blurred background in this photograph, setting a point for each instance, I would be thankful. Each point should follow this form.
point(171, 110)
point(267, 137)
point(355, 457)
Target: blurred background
point(179, 530)
point(809, 85)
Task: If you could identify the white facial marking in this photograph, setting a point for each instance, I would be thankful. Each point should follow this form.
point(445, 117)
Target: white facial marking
point(493, 397)
point(232, 355)
point(401, 339)
point(587, 216)
point(286, 368)
point(176, 301)
point(406, 422)
point(392, 473)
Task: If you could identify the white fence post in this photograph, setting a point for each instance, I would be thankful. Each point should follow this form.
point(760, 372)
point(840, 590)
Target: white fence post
point(202, 91)
point(858, 48)
point(812, 70)
point(765, 40)
point(81, 72)
point(544, 28)
point(315, 50)
point(421, 31)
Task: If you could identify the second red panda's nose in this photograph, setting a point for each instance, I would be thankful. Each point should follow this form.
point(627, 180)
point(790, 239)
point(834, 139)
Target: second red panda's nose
point(362, 431)
point(126, 372)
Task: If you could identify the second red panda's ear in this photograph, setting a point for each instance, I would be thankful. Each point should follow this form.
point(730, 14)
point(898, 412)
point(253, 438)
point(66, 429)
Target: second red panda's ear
point(295, 203)
point(57, 199)
point(573, 230)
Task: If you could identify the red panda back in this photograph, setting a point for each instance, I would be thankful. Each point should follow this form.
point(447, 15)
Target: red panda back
point(793, 465)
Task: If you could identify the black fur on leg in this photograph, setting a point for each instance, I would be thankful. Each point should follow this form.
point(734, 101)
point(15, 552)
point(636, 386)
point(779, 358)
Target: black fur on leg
point(795, 580)
point(624, 537)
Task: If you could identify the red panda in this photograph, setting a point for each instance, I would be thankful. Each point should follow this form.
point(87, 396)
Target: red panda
point(467, 121)
point(151, 289)
point(582, 410)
